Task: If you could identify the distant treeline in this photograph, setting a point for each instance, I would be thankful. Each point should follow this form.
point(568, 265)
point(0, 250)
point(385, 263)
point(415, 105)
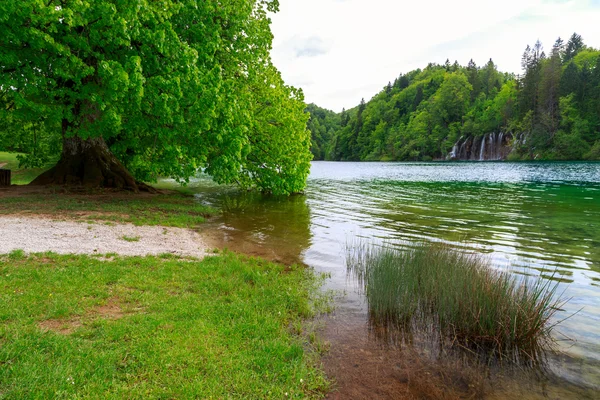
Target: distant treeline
point(553, 106)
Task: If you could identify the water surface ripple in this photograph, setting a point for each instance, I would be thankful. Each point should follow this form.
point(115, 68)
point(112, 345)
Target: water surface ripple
point(534, 219)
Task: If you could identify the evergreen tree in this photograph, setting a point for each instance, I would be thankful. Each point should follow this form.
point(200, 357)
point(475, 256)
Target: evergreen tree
point(455, 66)
point(531, 63)
point(418, 97)
point(344, 118)
point(569, 81)
point(550, 91)
point(594, 105)
point(403, 82)
point(474, 80)
point(559, 46)
point(585, 76)
point(573, 47)
point(353, 148)
point(490, 78)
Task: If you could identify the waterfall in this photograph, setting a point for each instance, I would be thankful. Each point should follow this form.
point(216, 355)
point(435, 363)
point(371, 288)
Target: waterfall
point(472, 150)
point(500, 139)
point(492, 146)
point(482, 151)
point(454, 150)
point(461, 153)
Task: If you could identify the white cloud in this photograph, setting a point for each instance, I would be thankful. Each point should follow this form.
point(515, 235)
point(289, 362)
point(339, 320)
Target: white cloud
point(339, 51)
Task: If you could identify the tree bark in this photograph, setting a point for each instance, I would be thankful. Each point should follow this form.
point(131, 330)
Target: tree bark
point(4, 177)
point(90, 163)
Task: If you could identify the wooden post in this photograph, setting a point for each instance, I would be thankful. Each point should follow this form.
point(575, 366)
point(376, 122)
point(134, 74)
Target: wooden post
point(4, 177)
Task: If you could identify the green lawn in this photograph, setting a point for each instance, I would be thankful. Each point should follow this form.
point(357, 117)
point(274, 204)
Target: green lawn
point(175, 209)
point(20, 176)
point(178, 209)
point(153, 327)
point(91, 327)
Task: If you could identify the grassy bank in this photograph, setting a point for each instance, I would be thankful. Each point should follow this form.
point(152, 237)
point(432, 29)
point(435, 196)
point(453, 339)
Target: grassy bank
point(90, 327)
point(173, 209)
point(20, 176)
point(434, 288)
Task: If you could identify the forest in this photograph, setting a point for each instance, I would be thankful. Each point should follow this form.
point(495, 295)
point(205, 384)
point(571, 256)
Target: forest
point(551, 111)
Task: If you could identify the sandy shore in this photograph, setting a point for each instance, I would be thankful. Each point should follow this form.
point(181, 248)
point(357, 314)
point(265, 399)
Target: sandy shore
point(38, 235)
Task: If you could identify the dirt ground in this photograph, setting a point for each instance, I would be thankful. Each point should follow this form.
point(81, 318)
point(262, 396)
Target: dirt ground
point(38, 233)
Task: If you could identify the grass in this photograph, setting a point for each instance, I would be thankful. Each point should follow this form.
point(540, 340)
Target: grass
point(20, 176)
point(130, 239)
point(155, 327)
point(174, 210)
point(458, 296)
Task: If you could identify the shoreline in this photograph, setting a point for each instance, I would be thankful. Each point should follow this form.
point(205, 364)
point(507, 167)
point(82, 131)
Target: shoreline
point(347, 339)
point(212, 323)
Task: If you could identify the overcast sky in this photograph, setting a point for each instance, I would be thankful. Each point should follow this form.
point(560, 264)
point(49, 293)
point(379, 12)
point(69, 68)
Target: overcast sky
point(339, 51)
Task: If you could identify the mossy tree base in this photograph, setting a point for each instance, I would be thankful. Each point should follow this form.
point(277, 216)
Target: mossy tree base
point(90, 163)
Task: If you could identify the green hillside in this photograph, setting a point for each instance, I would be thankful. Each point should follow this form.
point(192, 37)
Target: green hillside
point(551, 111)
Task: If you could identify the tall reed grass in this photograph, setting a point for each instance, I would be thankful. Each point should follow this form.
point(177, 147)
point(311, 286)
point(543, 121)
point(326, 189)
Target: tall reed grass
point(457, 295)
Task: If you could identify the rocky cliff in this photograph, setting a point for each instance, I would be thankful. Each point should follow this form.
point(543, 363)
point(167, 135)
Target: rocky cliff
point(493, 146)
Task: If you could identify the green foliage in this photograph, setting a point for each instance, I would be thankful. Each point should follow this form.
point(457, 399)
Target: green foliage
point(569, 146)
point(587, 57)
point(323, 124)
point(155, 327)
point(594, 153)
point(574, 46)
point(171, 86)
point(278, 158)
point(425, 112)
point(35, 146)
point(21, 172)
point(569, 143)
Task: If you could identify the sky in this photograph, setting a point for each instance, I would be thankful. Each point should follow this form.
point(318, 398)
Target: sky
point(339, 51)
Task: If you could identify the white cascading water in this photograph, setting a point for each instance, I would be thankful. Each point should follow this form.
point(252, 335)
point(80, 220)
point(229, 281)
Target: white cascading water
point(499, 146)
point(482, 151)
point(495, 142)
point(454, 151)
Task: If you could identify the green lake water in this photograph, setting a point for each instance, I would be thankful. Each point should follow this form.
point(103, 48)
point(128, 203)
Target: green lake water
point(533, 219)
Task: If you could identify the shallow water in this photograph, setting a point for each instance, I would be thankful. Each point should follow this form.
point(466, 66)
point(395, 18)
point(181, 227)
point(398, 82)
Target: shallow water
point(534, 219)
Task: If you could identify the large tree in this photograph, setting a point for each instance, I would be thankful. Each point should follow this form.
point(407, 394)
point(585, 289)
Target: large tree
point(138, 89)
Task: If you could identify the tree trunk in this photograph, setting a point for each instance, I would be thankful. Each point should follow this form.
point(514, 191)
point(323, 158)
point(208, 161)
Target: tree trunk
point(89, 163)
point(4, 177)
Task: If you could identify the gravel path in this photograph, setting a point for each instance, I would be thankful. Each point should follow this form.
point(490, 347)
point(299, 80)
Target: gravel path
point(37, 235)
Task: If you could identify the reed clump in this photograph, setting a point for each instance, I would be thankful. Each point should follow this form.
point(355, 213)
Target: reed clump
point(457, 295)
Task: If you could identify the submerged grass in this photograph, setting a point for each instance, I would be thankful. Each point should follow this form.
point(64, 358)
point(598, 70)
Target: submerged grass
point(155, 327)
point(458, 296)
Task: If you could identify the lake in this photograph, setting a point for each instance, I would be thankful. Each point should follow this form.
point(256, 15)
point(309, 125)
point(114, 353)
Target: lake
point(533, 219)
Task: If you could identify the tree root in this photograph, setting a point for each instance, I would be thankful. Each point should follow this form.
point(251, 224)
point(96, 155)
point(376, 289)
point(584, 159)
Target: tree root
point(91, 164)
